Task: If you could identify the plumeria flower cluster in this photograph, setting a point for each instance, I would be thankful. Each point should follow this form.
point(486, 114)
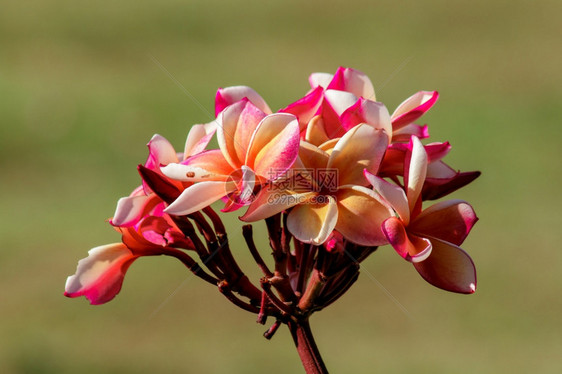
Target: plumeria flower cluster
point(334, 176)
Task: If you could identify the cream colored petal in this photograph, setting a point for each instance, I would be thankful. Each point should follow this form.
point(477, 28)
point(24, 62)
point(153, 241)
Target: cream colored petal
point(198, 138)
point(315, 131)
point(312, 157)
point(415, 171)
point(208, 165)
point(329, 145)
point(199, 196)
point(320, 79)
point(394, 195)
point(339, 100)
point(313, 222)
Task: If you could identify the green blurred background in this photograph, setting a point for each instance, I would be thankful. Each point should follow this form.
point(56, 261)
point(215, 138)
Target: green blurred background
point(81, 92)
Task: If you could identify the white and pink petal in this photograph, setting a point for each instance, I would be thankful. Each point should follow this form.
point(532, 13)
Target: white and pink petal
point(99, 276)
point(160, 152)
point(370, 112)
point(131, 209)
point(274, 146)
point(230, 95)
point(403, 134)
point(199, 196)
point(236, 126)
point(335, 103)
point(413, 108)
point(391, 193)
point(198, 138)
point(320, 80)
point(353, 81)
point(204, 166)
point(415, 169)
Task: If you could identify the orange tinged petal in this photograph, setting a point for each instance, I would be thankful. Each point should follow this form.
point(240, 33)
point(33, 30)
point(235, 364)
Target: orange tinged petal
point(361, 213)
point(360, 148)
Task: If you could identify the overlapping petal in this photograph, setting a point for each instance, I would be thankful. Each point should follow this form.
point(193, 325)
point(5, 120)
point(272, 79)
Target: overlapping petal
point(315, 131)
point(198, 138)
point(411, 247)
point(335, 103)
point(274, 145)
point(200, 195)
point(392, 194)
point(369, 112)
point(360, 148)
point(160, 152)
point(131, 208)
point(353, 81)
point(273, 199)
point(404, 133)
point(313, 222)
point(361, 213)
point(237, 124)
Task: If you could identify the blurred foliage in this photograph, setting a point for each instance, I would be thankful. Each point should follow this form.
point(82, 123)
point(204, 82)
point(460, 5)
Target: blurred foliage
point(84, 85)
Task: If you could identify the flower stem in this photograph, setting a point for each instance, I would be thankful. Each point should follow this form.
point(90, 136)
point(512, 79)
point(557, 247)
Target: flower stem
point(306, 347)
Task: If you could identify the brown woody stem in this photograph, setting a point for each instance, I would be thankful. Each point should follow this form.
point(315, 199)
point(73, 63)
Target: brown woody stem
point(306, 347)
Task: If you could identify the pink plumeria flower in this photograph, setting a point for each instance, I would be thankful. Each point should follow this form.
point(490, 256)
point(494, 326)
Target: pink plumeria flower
point(254, 148)
point(331, 95)
point(428, 238)
point(132, 208)
point(349, 99)
point(99, 277)
point(146, 230)
point(344, 204)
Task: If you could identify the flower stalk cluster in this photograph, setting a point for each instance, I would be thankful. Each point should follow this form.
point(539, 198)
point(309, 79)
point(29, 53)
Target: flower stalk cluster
point(334, 176)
